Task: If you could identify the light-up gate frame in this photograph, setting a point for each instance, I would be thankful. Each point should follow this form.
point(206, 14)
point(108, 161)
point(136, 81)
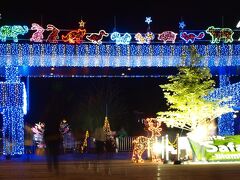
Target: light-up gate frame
point(15, 58)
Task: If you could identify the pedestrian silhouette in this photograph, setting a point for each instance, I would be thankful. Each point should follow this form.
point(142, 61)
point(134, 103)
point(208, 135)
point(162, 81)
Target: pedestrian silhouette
point(28, 140)
point(53, 140)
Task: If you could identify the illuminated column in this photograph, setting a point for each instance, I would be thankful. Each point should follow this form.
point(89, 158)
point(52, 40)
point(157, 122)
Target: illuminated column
point(162, 147)
point(167, 151)
point(12, 103)
point(178, 150)
point(226, 121)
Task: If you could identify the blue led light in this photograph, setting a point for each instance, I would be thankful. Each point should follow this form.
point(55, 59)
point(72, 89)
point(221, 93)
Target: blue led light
point(12, 103)
point(232, 92)
point(182, 25)
point(148, 20)
point(85, 55)
point(119, 54)
point(125, 39)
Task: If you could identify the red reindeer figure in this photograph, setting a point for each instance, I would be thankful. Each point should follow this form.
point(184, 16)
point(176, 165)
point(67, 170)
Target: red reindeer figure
point(142, 143)
point(53, 36)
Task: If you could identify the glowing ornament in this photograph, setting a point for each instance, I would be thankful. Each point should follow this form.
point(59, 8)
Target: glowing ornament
point(167, 36)
point(148, 20)
point(182, 25)
point(75, 36)
point(141, 143)
point(96, 38)
point(146, 39)
point(53, 36)
point(38, 35)
point(125, 39)
point(191, 37)
point(12, 32)
point(218, 34)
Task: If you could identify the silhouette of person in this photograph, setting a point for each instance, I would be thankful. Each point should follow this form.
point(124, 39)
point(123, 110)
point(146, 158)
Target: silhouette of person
point(110, 147)
point(28, 140)
point(53, 140)
point(100, 139)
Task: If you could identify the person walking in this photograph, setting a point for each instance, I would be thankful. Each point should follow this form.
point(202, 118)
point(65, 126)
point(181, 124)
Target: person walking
point(53, 140)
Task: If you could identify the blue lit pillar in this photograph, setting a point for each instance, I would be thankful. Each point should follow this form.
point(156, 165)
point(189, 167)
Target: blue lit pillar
point(226, 121)
point(12, 102)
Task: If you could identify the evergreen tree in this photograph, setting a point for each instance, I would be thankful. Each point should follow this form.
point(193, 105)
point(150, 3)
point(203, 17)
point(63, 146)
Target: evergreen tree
point(185, 94)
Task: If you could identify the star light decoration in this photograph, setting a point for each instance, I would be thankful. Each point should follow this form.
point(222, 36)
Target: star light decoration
point(81, 23)
point(148, 20)
point(182, 25)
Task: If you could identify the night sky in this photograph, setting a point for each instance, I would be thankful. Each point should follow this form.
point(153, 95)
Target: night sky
point(141, 97)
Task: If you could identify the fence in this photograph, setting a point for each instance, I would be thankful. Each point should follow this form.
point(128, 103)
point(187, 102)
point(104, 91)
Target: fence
point(125, 144)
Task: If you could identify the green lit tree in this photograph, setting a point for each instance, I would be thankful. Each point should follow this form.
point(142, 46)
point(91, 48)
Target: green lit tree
point(185, 94)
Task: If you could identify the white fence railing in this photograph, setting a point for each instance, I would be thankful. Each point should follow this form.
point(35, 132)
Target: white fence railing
point(124, 144)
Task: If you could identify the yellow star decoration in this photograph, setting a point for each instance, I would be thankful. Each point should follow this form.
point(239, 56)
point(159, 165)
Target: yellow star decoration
point(81, 23)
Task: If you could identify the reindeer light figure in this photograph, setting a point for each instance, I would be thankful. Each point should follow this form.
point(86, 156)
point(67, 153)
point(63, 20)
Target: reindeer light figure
point(141, 143)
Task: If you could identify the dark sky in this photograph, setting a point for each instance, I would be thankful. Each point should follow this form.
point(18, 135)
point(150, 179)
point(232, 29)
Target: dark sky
point(130, 14)
point(144, 94)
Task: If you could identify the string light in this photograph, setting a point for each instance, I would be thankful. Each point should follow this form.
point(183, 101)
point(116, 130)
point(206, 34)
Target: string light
point(218, 34)
point(230, 92)
point(182, 25)
point(144, 39)
point(92, 55)
point(167, 36)
point(37, 36)
point(85, 142)
point(38, 133)
point(125, 39)
point(191, 37)
point(13, 103)
point(12, 32)
point(96, 38)
point(148, 20)
point(141, 143)
point(53, 36)
point(84, 55)
point(75, 36)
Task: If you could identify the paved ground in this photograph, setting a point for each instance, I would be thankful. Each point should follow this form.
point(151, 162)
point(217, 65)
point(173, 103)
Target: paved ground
point(89, 169)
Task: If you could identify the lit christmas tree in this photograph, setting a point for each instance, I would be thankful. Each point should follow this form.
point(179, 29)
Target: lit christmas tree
point(106, 127)
point(84, 145)
point(185, 94)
